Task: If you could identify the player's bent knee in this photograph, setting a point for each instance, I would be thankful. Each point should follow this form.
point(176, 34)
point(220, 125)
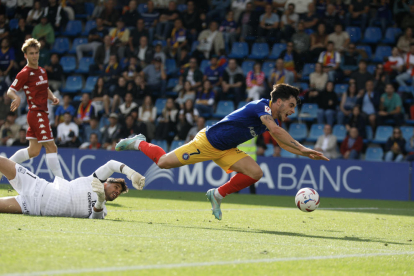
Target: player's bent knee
point(257, 174)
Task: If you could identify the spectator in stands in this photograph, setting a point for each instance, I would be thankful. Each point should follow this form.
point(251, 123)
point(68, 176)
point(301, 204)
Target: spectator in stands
point(395, 147)
point(291, 59)
point(120, 37)
point(34, 15)
point(178, 38)
point(188, 116)
point(211, 41)
point(408, 20)
point(130, 14)
point(44, 53)
point(340, 38)
point(155, 76)
point(186, 93)
point(358, 10)
point(370, 101)
point(135, 37)
point(409, 64)
point(145, 52)
point(111, 72)
point(95, 38)
point(357, 120)
point(98, 97)
point(218, 10)
point(409, 148)
point(140, 90)
point(192, 74)
point(102, 55)
point(319, 40)
point(191, 21)
point(9, 131)
point(405, 41)
point(43, 30)
point(327, 103)
point(394, 64)
point(319, 78)
point(330, 60)
point(109, 14)
point(327, 143)
point(214, 74)
point(65, 107)
point(147, 113)
point(166, 21)
point(85, 111)
point(182, 60)
point(255, 82)
point(4, 105)
point(93, 143)
point(330, 18)
point(19, 34)
point(131, 128)
point(269, 23)
point(54, 73)
point(159, 52)
point(7, 63)
point(230, 29)
point(67, 133)
point(238, 7)
point(382, 15)
point(167, 122)
point(56, 15)
point(245, 22)
point(232, 84)
point(349, 60)
point(348, 102)
point(128, 106)
point(361, 76)
point(22, 141)
point(150, 18)
point(201, 123)
point(301, 41)
point(111, 132)
point(92, 128)
point(289, 22)
point(381, 78)
point(310, 19)
point(351, 146)
point(205, 98)
point(131, 70)
point(280, 75)
point(400, 9)
point(390, 107)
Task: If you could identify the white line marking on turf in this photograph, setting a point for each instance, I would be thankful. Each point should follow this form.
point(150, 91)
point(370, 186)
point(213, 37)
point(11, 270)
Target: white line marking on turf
point(259, 209)
point(181, 265)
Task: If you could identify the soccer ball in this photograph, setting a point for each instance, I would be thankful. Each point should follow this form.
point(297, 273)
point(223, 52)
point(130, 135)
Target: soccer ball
point(307, 200)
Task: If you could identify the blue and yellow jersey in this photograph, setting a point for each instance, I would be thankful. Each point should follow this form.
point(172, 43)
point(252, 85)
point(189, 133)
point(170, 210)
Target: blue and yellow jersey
point(239, 126)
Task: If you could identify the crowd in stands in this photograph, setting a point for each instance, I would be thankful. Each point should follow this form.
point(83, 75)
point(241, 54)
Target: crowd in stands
point(169, 68)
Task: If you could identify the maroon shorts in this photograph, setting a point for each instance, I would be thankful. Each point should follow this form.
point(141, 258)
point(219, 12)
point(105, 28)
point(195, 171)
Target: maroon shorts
point(39, 127)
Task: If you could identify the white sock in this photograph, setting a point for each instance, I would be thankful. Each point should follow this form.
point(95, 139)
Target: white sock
point(52, 162)
point(136, 145)
point(217, 195)
point(20, 156)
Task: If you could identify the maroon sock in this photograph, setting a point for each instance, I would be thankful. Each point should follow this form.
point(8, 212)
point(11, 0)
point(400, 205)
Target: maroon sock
point(154, 152)
point(236, 183)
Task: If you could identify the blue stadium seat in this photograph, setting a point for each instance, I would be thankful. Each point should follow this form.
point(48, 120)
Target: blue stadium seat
point(142, 8)
point(259, 51)
point(371, 69)
point(407, 132)
point(307, 70)
point(76, 42)
point(223, 109)
point(204, 64)
point(269, 151)
point(374, 154)
point(369, 134)
point(73, 28)
point(294, 116)
point(159, 104)
point(60, 46)
point(162, 42)
point(298, 131)
point(170, 67)
point(308, 112)
point(303, 85)
point(247, 66)
point(84, 64)
point(73, 84)
point(182, 7)
point(287, 154)
point(194, 45)
point(354, 34)
point(172, 83)
point(276, 50)
point(211, 122)
point(176, 144)
point(382, 52)
point(367, 50)
point(372, 35)
point(239, 50)
point(161, 143)
point(14, 23)
point(316, 130)
point(89, 7)
point(382, 134)
point(340, 132)
point(309, 31)
point(341, 88)
point(88, 26)
point(68, 64)
point(241, 104)
point(391, 34)
point(90, 84)
point(267, 68)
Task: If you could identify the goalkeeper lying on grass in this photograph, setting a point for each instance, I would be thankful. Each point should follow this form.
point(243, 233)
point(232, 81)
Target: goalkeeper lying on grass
point(83, 197)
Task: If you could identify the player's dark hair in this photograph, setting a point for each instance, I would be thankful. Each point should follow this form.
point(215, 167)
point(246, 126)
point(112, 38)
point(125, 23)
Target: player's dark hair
point(284, 91)
point(118, 181)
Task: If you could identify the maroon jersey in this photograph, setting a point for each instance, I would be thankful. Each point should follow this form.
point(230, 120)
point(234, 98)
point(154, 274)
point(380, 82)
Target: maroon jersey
point(34, 83)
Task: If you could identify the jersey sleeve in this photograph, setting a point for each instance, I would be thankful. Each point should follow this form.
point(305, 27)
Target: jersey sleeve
point(261, 108)
point(19, 81)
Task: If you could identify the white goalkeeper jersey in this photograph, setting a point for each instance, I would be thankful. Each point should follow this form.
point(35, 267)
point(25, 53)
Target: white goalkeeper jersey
point(70, 199)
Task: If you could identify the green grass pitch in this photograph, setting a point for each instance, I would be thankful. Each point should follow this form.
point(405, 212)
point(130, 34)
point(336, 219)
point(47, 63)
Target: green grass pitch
point(173, 233)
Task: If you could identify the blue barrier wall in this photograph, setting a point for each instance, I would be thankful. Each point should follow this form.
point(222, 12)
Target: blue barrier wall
point(282, 176)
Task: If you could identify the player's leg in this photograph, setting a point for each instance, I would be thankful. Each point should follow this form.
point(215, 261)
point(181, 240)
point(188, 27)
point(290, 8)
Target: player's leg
point(10, 205)
point(52, 159)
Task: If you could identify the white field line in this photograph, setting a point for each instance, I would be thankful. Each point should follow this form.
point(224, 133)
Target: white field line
point(201, 264)
point(261, 209)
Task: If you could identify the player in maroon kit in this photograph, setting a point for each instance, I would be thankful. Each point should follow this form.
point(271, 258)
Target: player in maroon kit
point(33, 80)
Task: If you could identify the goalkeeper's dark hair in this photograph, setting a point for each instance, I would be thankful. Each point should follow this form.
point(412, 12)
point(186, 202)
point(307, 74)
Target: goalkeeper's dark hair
point(284, 91)
point(119, 181)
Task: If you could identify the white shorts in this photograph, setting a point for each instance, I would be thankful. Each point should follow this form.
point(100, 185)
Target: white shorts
point(30, 188)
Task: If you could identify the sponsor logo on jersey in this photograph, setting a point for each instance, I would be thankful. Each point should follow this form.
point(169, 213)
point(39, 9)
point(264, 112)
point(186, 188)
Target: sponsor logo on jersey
point(15, 82)
point(25, 87)
point(268, 110)
point(43, 132)
point(41, 120)
point(31, 73)
point(41, 82)
point(39, 114)
point(44, 137)
point(186, 156)
point(21, 170)
point(34, 106)
point(42, 126)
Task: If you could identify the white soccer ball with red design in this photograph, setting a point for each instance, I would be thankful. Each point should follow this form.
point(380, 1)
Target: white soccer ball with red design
point(307, 200)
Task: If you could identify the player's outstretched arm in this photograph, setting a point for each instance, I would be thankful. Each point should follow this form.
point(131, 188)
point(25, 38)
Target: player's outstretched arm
point(112, 166)
point(287, 142)
point(15, 100)
point(98, 188)
point(51, 96)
